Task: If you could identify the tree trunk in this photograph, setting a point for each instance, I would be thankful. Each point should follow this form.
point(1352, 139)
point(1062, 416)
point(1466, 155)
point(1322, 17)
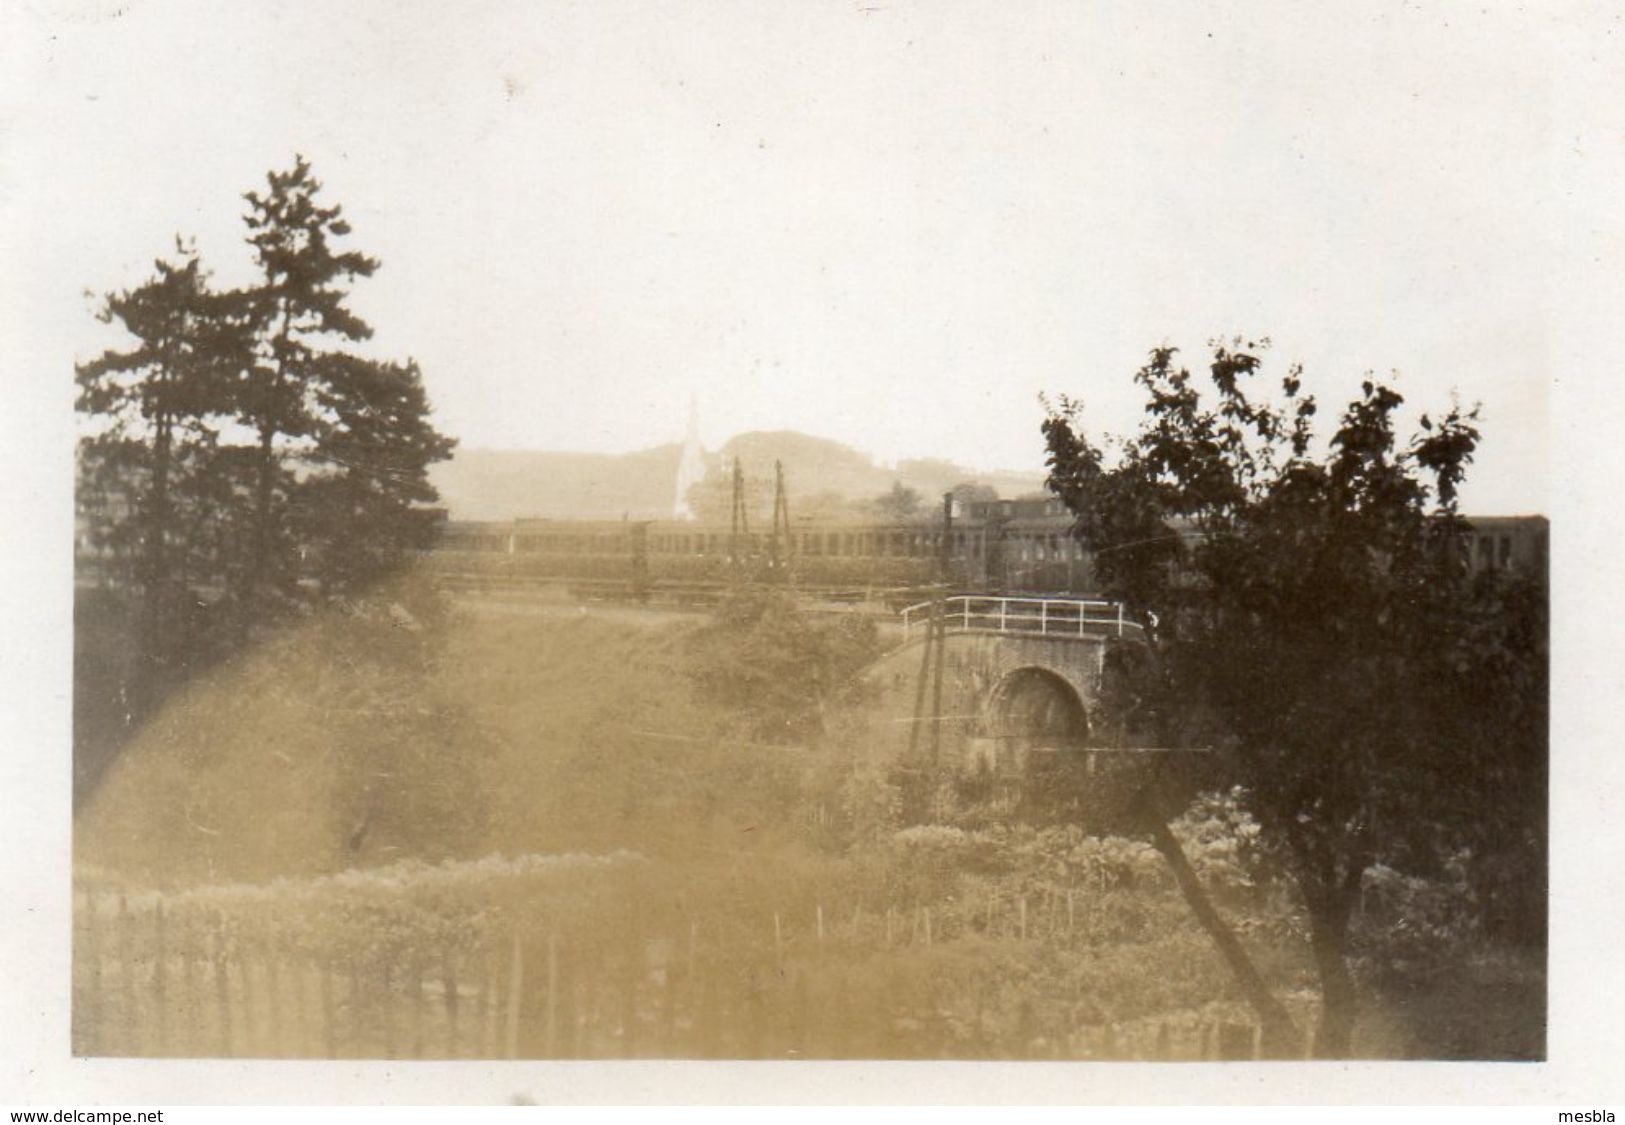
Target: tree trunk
point(1328, 939)
point(1281, 1038)
point(158, 506)
point(153, 639)
point(254, 602)
point(262, 528)
point(1329, 897)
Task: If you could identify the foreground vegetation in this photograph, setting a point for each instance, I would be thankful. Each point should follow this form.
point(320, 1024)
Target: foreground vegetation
point(1317, 620)
point(379, 787)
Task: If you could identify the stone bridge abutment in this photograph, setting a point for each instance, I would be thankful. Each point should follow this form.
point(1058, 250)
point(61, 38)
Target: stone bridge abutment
point(1005, 695)
point(996, 698)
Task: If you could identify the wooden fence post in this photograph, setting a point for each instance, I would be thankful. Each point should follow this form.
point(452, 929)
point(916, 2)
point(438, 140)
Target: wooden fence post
point(160, 985)
point(801, 1016)
point(1236, 1041)
point(307, 1012)
point(837, 1039)
point(753, 1018)
point(711, 1023)
point(329, 1032)
point(268, 954)
point(130, 1023)
point(582, 1005)
point(222, 988)
point(192, 1002)
point(254, 1037)
point(358, 1010)
point(668, 1006)
point(418, 1003)
point(516, 980)
point(488, 1002)
point(89, 1012)
point(553, 995)
point(386, 1005)
point(631, 978)
point(451, 1000)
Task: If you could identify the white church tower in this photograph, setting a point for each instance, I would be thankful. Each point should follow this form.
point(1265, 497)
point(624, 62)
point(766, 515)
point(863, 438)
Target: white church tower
point(691, 469)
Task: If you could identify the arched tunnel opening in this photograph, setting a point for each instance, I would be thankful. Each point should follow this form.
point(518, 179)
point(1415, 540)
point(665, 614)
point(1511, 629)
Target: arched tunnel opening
point(1035, 709)
point(1035, 760)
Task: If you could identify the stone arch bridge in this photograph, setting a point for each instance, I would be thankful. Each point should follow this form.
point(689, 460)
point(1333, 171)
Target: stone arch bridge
point(985, 681)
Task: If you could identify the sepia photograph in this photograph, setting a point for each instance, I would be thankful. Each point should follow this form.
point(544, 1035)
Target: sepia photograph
point(721, 532)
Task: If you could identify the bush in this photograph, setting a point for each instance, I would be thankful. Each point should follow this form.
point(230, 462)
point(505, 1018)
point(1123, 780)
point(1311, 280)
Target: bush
point(775, 669)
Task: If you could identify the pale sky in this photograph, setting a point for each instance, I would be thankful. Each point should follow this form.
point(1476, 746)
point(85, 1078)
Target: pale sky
point(893, 224)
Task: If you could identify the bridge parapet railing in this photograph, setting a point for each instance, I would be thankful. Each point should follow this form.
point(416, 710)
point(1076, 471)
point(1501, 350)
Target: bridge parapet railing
point(1046, 617)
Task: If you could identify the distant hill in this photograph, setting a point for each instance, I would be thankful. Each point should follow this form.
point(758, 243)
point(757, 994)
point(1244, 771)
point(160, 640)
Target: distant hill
point(499, 484)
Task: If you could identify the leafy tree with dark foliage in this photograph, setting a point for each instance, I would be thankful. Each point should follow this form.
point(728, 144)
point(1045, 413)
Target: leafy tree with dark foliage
point(776, 669)
point(900, 502)
point(1316, 623)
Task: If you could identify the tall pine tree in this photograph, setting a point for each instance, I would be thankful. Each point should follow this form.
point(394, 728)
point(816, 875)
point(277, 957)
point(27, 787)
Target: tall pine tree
point(155, 409)
point(236, 459)
point(343, 442)
point(375, 447)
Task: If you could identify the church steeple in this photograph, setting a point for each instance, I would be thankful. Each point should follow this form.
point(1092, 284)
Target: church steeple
point(691, 467)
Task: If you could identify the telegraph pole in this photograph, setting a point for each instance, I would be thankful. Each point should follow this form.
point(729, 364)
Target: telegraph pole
point(738, 518)
point(781, 521)
point(930, 676)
